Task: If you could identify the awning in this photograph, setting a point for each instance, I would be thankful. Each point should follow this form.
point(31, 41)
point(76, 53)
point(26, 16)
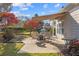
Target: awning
point(51, 17)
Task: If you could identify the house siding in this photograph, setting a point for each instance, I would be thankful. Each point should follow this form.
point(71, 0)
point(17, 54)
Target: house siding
point(67, 27)
point(75, 23)
point(71, 25)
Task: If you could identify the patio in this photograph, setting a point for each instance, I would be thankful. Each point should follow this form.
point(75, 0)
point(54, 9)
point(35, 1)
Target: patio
point(31, 46)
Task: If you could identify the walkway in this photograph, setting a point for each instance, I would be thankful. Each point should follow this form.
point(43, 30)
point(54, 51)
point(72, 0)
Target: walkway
point(31, 46)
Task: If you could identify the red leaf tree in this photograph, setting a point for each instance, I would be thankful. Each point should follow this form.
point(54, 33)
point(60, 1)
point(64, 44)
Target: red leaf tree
point(7, 19)
point(11, 18)
point(31, 23)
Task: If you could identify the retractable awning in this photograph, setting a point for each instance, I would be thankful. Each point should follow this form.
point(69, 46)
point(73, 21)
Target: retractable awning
point(51, 17)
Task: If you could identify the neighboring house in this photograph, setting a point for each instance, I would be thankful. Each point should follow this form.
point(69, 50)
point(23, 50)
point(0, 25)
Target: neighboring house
point(3, 22)
point(5, 7)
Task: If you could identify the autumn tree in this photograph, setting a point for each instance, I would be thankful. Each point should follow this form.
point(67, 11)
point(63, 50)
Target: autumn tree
point(11, 20)
point(31, 25)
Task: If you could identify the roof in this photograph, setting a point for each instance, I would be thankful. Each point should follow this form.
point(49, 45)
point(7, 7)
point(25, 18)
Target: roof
point(69, 7)
point(51, 17)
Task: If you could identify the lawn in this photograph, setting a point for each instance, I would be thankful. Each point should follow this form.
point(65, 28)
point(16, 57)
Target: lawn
point(39, 54)
point(8, 49)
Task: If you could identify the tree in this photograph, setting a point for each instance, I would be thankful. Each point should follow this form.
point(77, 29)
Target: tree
point(11, 20)
point(36, 15)
point(7, 19)
point(31, 25)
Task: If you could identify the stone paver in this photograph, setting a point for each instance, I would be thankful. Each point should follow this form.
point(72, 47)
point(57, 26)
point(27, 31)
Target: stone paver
point(31, 46)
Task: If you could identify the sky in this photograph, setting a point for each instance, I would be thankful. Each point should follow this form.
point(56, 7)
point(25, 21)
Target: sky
point(30, 9)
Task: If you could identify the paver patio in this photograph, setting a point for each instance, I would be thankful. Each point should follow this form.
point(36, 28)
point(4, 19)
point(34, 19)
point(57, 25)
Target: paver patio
point(55, 46)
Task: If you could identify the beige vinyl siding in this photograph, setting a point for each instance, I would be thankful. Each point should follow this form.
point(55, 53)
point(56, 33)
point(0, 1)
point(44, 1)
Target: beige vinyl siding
point(75, 23)
point(67, 27)
point(71, 21)
point(71, 25)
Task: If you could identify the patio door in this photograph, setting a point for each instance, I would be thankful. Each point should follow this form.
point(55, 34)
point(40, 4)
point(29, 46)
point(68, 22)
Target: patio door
point(54, 27)
point(57, 29)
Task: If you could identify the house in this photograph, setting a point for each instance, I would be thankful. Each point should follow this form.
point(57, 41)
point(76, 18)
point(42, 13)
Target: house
point(67, 21)
point(71, 21)
point(56, 21)
point(4, 7)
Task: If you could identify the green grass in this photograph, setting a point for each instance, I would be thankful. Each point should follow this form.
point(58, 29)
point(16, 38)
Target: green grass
point(38, 54)
point(26, 33)
point(8, 49)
